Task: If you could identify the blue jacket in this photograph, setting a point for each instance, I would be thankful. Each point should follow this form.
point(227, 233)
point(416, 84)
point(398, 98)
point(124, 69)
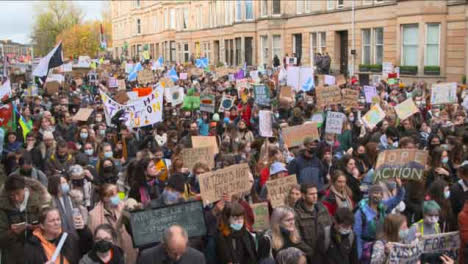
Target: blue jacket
point(365, 229)
point(308, 170)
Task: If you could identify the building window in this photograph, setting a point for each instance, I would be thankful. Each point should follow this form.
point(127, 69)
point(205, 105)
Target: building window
point(207, 50)
point(330, 4)
point(410, 45)
point(313, 43)
point(173, 51)
point(264, 7)
point(308, 4)
point(238, 51)
point(186, 52)
point(238, 10)
point(172, 15)
point(200, 18)
point(378, 44)
point(276, 7)
point(339, 4)
point(138, 26)
point(323, 42)
point(276, 46)
point(185, 24)
point(166, 19)
point(372, 46)
point(432, 45)
point(264, 47)
point(366, 46)
point(248, 9)
point(367, 2)
point(299, 6)
point(138, 3)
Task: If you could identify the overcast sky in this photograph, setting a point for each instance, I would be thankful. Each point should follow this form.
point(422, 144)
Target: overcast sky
point(17, 17)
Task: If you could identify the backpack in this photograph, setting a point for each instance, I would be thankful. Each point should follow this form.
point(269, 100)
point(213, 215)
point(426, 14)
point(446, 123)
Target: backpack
point(327, 235)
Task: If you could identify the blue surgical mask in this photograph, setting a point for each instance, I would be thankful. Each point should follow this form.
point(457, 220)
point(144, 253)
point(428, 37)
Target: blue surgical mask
point(84, 135)
point(447, 194)
point(445, 160)
point(236, 227)
point(108, 154)
point(403, 234)
point(102, 133)
point(65, 187)
point(115, 200)
point(89, 152)
point(170, 197)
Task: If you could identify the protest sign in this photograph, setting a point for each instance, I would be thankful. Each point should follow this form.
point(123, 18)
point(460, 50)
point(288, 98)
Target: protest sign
point(166, 82)
point(330, 95)
point(145, 76)
point(261, 216)
point(329, 79)
point(148, 226)
point(294, 136)
point(144, 111)
point(112, 82)
point(230, 180)
point(278, 189)
point(387, 67)
point(334, 123)
point(128, 68)
point(121, 84)
point(444, 93)
point(68, 67)
point(175, 95)
point(121, 97)
point(262, 95)
point(227, 102)
point(373, 116)
point(183, 76)
point(83, 114)
point(406, 164)
point(375, 79)
point(265, 119)
point(52, 87)
point(406, 109)
point(254, 75)
point(207, 103)
point(350, 98)
point(404, 254)
point(205, 141)
point(190, 156)
point(370, 92)
point(196, 71)
point(297, 77)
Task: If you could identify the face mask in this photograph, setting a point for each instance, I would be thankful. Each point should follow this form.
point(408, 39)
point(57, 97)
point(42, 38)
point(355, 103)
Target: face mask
point(89, 152)
point(351, 119)
point(78, 183)
point(26, 171)
point(108, 154)
point(170, 197)
point(115, 200)
point(84, 135)
point(98, 119)
point(102, 246)
point(403, 234)
point(65, 187)
point(344, 231)
point(431, 219)
point(376, 200)
point(102, 133)
point(447, 194)
point(277, 115)
point(330, 142)
point(285, 231)
point(445, 160)
point(108, 169)
point(236, 227)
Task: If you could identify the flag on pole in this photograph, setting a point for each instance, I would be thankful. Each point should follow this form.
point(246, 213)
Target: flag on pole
point(159, 63)
point(201, 63)
point(103, 39)
point(308, 85)
point(50, 61)
point(173, 74)
point(132, 76)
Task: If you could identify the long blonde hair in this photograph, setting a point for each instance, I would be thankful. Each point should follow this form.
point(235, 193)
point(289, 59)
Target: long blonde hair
point(277, 217)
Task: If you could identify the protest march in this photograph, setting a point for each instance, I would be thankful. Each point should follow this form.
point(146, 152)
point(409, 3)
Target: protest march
point(147, 161)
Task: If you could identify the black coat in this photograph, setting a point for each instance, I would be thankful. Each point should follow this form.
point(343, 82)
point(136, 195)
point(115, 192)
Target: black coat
point(92, 258)
point(157, 255)
point(264, 246)
point(340, 250)
point(73, 249)
point(243, 252)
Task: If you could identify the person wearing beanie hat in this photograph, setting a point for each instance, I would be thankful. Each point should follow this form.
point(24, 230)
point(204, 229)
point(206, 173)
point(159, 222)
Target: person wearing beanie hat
point(173, 192)
point(371, 212)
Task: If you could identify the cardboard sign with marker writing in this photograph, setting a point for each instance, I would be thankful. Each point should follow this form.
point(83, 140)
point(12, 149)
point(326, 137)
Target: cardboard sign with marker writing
point(83, 114)
point(350, 98)
point(261, 216)
point(145, 76)
point(330, 95)
point(406, 164)
point(230, 180)
point(294, 136)
point(196, 71)
point(52, 87)
point(121, 84)
point(278, 189)
point(191, 156)
point(166, 82)
point(205, 141)
point(121, 97)
point(406, 109)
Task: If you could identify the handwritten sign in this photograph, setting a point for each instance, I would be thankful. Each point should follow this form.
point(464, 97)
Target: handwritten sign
point(183, 76)
point(334, 123)
point(231, 180)
point(166, 82)
point(148, 226)
point(121, 84)
point(265, 119)
point(408, 164)
point(191, 156)
point(205, 141)
point(444, 93)
point(83, 114)
point(370, 92)
point(350, 98)
point(262, 95)
point(294, 136)
point(329, 79)
point(261, 216)
point(373, 116)
point(145, 76)
point(406, 109)
point(328, 96)
point(404, 254)
point(278, 189)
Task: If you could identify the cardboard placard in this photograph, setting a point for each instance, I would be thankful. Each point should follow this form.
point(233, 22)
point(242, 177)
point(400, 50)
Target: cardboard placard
point(370, 92)
point(205, 141)
point(261, 216)
point(328, 96)
point(444, 93)
point(145, 76)
point(190, 156)
point(265, 120)
point(166, 82)
point(83, 114)
point(121, 97)
point(112, 82)
point(406, 109)
point(148, 226)
point(350, 98)
point(230, 180)
point(373, 116)
point(52, 87)
point(329, 79)
point(121, 84)
point(278, 189)
point(294, 136)
point(407, 164)
point(183, 76)
point(196, 71)
point(334, 124)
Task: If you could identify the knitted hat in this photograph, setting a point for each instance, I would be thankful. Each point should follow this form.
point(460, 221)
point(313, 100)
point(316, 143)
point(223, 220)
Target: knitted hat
point(430, 206)
point(375, 188)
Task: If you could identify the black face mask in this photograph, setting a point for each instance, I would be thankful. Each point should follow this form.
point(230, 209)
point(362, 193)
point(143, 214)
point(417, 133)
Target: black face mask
point(26, 172)
point(284, 231)
point(108, 169)
point(78, 183)
point(102, 246)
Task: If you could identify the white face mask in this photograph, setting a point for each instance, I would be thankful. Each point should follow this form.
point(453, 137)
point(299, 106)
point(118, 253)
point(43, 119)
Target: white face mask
point(431, 219)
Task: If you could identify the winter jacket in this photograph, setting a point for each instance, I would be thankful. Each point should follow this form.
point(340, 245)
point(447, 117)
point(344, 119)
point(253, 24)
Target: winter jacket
point(463, 229)
point(237, 247)
point(458, 196)
point(308, 170)
point(365, 225)
point(266, 251)
point(158, 255)
point(12, 245)
point(35, 174)
point(92, 258)
point(342, 249)
point(54, 165)
point(311, 223)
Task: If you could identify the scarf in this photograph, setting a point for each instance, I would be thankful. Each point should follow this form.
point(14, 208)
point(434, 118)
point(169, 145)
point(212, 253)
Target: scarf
point(342, 199)
point(145, 197)
point(49, 247)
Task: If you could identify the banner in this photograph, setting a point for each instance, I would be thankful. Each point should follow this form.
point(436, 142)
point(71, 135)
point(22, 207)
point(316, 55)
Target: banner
point(294, 136)
point(190, 156)
point(230, 180)
point(370, 92)
point(330, 95)
point(444, 93)
point(143, 112)
point(334, 124)
point(350, 98)
point(373, 116)
point(406, 164)
point(406, 109)
point(278, 189)
point(265, 120)
point(262, 95)
point(207, 103)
